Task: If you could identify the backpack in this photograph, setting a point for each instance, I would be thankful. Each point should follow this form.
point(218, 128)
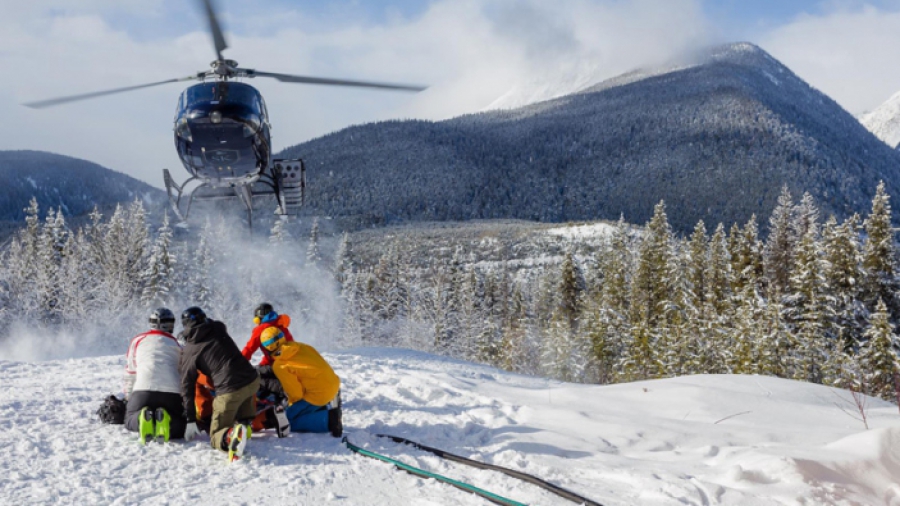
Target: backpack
point(112, 411)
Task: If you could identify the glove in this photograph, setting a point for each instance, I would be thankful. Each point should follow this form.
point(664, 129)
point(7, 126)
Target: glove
point(191, 431)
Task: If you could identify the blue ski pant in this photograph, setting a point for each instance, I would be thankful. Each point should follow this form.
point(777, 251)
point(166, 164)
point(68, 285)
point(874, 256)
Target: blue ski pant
point(306, 417)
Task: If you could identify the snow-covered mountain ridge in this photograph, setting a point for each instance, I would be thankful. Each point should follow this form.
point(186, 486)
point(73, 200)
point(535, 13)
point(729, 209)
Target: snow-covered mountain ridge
point(715, 138)
point(698, 440)
point(74, 186)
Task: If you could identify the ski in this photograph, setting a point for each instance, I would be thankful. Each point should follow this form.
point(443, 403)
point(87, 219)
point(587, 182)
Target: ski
point(490, 496)
point(566, 494)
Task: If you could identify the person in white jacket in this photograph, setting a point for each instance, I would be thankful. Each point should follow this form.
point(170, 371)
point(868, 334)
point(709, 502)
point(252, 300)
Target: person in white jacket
point(153, 382)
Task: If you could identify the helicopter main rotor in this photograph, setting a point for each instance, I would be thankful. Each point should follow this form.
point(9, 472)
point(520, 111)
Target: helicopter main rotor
point(224, 69)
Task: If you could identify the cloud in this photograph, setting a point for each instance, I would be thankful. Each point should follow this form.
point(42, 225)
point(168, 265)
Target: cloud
point(469, 51)
point(849, 52)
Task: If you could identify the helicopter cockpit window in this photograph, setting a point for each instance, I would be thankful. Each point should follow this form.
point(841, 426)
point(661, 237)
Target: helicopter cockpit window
point(223, 93)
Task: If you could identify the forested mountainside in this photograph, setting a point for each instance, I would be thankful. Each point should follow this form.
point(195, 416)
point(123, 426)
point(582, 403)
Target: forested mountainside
point(716, 140)
point(74, 186)
point(816, 301)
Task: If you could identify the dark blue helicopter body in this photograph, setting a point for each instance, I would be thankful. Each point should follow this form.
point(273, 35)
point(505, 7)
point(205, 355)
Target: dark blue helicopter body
point(222, 132)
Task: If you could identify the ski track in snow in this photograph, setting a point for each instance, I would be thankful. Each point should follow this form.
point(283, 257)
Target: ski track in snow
point(702, 440)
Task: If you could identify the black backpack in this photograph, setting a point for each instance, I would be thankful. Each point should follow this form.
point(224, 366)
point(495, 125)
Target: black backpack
point(112, 411)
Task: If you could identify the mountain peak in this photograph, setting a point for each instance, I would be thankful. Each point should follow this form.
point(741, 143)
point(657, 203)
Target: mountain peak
point(884, 121)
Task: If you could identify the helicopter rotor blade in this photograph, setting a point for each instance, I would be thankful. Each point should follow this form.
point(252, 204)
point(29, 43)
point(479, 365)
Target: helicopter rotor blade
point(288, 78)
point(84, 96)
point(215, 28)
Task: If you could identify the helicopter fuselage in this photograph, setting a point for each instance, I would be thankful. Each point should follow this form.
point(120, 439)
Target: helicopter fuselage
point(222, 133)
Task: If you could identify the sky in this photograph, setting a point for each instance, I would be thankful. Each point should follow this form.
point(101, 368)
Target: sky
point(690, 441)
point(473, 54)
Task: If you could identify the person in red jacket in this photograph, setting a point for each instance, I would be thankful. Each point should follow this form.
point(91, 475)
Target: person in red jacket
point(264, 317)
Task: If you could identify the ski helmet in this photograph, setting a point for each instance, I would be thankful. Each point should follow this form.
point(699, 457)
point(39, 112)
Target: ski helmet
point(162, 318)
point(192, 316)
point(272, 338)
point(264, 313)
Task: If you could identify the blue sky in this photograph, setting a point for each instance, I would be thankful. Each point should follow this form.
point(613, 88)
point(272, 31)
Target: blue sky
point(473, 54)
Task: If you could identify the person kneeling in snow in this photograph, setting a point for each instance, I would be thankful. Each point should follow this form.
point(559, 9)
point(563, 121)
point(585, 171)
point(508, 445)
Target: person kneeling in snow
point(311, 385)
point(264, 316)
point(152, 382)
point(209, 349)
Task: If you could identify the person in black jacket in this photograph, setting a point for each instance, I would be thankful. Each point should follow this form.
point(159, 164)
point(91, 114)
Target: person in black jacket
point(209, 349)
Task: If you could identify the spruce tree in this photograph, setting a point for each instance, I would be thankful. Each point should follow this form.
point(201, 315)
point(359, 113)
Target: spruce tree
point(278, 234)
point(313, 257)
point(696, 265)
point(878, 256)
point(746, 257)
point(159, 276)
point(654, 279)
point(779, 248)
point(843, 279)
point(878, 358)
point(807, 310)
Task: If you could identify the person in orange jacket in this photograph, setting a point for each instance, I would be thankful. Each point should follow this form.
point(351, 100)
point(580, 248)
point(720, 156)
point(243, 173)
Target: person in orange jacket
point(312, 388)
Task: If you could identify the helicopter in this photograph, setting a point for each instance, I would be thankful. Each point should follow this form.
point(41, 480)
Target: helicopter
point(223, 135)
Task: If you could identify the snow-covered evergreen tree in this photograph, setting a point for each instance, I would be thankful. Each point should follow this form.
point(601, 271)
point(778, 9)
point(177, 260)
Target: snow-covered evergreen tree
point(279, 233)
point(654, 279)
point(159, 276)
point(881, 281)
point(878, 359)
point(313, 257)
point(807, 310)
point(843, 278)
point(779, 248)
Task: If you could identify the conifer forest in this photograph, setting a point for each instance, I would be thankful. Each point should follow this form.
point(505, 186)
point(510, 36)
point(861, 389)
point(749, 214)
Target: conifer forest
point(814, 300)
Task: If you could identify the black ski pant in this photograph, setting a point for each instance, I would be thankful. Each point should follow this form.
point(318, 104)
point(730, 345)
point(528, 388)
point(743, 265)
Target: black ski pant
point(172, 403)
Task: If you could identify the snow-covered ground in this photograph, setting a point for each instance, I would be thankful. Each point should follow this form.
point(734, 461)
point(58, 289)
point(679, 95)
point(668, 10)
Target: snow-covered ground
point(703, 440)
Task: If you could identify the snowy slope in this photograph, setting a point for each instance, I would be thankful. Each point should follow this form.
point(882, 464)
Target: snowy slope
point(884, 121)
point(727, 440)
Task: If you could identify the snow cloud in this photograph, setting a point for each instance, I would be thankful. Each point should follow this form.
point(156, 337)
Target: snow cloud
point(236, 270)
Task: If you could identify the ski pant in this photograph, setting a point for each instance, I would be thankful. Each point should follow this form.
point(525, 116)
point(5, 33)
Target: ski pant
point(230, 407)
point(172, 403)
point(306, 417)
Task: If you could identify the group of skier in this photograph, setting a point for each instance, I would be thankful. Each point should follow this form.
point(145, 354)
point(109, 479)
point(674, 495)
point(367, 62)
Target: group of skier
point(176, 388)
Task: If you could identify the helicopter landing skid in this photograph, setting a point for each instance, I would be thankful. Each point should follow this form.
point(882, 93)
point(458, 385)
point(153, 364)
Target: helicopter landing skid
point(285, 179)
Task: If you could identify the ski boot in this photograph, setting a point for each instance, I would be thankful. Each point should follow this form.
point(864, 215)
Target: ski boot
point(282, 425)
point(162, 424)
point(335, 422)
point(335, 416)
point(277, 419)
point(145, 425)
point(236, 439)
